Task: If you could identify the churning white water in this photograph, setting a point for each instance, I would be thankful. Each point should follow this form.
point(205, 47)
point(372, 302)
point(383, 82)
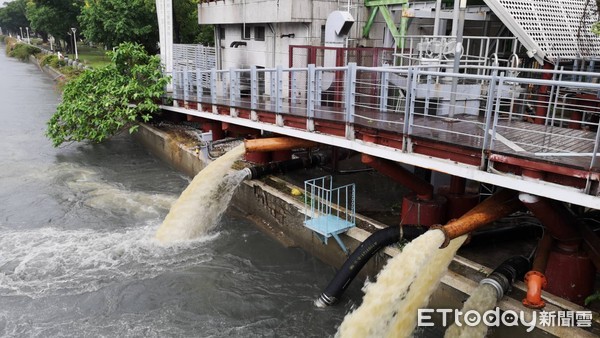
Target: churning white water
point(49, 261)
point(390, 304)
point(203, 202)
point(484, 298)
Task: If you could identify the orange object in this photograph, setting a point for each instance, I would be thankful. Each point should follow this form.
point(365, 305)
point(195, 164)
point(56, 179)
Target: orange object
point(536, 281)
point(500, 204)
point(276, 144)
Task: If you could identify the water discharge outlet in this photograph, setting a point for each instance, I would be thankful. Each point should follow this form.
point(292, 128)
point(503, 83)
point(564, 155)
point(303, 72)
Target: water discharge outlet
point(357, 260)
point(503, 277)
point(486, 295)
point(500, 204)
point(203, 202)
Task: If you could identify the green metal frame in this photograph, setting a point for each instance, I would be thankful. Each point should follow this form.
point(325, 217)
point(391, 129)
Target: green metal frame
point(376, 6)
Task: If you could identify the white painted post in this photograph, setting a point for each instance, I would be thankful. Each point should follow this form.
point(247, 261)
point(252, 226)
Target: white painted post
point(350, 99)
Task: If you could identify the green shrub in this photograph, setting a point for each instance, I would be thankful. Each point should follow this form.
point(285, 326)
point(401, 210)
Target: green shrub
point(48, 59)
point(2, 37)
point(23, 51)
point(57, 63)
point(70, 72)
point(98, 103)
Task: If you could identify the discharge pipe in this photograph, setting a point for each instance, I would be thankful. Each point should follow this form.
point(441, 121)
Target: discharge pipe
point(285, 166)
point(504, 276)
point(357, 260)
point(500, 204)
point(276, 144)
point(501, 278)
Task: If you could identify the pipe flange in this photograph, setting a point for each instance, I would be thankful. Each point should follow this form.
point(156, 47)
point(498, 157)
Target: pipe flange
point(499, 282)
point(538, 274)
point(446, 238)
point(324, 301)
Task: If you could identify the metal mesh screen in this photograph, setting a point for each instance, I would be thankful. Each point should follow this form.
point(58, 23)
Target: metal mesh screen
point(552, 28)
point(193, 57)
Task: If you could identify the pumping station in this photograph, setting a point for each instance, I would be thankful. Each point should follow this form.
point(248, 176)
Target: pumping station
point(436, 130)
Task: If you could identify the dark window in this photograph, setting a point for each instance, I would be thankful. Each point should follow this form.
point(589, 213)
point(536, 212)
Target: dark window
point(246, 31)
point(259, 33)
point(222, 33)
point(322, 35)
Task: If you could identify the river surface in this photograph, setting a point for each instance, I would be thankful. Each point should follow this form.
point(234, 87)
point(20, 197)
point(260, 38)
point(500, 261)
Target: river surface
point(78, 256)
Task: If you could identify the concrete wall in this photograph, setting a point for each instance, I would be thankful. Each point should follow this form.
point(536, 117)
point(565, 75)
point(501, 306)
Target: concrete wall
point(275, 212)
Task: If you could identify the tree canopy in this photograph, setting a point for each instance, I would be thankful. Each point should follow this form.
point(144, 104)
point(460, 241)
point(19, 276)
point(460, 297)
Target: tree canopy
point(55, 17)
point(13, 16)
point(112, 22)
point(103, 101)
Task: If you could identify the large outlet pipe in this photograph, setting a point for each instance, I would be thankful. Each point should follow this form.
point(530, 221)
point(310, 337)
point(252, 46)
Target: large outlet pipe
point(285, 166)
point(502, 203)
point(504, 276)
point(377, 241)
point(276, 144)
point(422, 188)
point(501, 278)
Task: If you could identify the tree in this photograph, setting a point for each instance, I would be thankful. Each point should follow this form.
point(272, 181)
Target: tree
point(112, 22)
point(13, 16)
point(185, 24)
point(103, 101)
point(55, 17)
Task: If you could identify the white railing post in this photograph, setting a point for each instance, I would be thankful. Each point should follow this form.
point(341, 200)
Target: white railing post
point(383, 90)
point(186, 85)
point(253, 88)
point(175, 84)
point(294, 87)
point(273, 88)
point(350, 97)
point(199, 88)
point(489, 112)
point(318, 86)
point(279, 94)
point(310, 98)
point(213, 90)
point(496, 110)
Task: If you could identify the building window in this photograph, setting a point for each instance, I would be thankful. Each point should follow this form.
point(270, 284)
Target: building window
point(246, 31)
point(222, 33)
point(322, 35)
point(259, 33)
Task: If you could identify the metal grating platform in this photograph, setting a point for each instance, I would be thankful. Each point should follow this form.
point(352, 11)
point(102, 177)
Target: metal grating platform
point(551, 29)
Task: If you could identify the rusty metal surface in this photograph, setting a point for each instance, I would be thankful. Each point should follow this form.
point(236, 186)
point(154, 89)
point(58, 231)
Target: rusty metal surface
point(500, 204)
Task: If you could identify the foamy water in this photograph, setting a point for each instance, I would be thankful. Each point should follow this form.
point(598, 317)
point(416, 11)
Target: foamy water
point(202, 203)
point(390, 304)
point(49, 261)
point(484, 298)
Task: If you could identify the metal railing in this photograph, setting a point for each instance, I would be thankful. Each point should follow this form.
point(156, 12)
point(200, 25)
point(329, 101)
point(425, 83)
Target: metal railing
point(542, 114)
point(329, 211)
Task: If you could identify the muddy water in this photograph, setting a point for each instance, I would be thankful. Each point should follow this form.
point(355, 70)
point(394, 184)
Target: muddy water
point(78, 255)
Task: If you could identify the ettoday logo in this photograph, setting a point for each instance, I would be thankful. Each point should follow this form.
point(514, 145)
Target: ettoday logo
point(497, 318)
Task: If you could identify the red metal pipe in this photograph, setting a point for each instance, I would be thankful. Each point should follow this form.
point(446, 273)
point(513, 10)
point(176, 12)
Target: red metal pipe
point(422, 188)
point(500, 204)
point(457, 185)
point(561, 224)
point(535, 279)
